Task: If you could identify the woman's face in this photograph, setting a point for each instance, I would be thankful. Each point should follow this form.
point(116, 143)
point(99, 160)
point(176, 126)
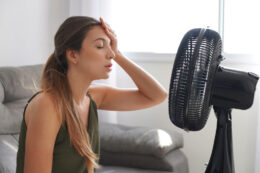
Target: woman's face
point(95, 54)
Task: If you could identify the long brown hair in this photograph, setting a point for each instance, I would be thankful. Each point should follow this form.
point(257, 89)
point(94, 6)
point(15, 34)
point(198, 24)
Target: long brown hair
point(70, 35)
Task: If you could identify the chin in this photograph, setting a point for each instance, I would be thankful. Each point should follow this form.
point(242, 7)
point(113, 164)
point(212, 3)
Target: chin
point(107, 77)
point(104, 77)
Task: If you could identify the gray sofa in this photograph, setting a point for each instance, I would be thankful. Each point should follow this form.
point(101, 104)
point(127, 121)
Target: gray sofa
point(124, 149)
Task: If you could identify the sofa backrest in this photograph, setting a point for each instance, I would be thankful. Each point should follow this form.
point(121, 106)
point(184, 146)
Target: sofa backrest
point(17, 85)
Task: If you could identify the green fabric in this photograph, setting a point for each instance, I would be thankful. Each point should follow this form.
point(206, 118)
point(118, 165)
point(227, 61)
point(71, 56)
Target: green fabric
point(65, 157)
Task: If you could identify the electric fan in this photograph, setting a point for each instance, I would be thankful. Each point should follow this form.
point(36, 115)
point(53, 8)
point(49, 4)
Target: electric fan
point(198, 83)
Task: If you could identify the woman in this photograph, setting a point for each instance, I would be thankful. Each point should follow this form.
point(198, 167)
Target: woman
point(59, 132)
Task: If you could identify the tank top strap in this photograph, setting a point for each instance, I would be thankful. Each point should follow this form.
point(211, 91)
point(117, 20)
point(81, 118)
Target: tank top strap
point(92, 101)
point(34, 95)
point(89, 95)
point(30, 100)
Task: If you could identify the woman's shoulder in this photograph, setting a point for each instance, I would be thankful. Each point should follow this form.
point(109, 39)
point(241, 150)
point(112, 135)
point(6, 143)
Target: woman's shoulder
point(97, 92)
point(41, 108)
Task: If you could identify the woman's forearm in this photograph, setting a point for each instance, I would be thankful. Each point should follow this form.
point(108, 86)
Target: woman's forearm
point(146, 84)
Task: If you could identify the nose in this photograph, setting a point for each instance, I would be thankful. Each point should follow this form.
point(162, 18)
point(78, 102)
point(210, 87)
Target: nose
point(111, 54)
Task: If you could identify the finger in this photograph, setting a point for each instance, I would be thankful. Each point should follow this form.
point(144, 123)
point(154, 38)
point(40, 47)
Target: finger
point(111, 30)
point(111, 35)
point(105, 23)
point(107, 27)
point(102, 22)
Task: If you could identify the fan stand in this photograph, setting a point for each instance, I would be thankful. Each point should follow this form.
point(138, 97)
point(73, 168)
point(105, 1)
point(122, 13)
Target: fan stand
point(221, 160)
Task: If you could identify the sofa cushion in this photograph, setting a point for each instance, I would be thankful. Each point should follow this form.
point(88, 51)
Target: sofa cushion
point(174, 161)
point(20, 82)
point(121, 169)
point(8, 150)
point(139, 140)
point(11, 115)
point(17, 84)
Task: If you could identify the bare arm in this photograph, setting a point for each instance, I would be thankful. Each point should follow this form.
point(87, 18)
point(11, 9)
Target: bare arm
point(149, 91)
point(42, 129)
point(146, 83)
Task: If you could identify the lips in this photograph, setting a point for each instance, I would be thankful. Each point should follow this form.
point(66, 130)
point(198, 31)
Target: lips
point(109, 65)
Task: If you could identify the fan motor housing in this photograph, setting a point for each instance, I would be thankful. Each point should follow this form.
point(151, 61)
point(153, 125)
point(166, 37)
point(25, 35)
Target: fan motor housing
point(233, 88)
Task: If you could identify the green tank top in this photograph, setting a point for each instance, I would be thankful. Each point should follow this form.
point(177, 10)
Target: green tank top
point(65, 157)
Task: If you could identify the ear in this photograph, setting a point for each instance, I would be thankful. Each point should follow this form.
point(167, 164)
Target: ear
point(72, 56)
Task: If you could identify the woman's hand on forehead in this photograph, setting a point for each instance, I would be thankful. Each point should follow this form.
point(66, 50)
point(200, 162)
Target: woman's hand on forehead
point(111, 34)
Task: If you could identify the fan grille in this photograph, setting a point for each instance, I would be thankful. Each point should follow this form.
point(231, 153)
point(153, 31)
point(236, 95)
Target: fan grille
point(192, 77)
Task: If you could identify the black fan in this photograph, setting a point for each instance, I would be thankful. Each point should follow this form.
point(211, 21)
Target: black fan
point(198, 83)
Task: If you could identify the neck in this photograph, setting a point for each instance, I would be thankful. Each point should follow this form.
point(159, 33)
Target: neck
point(79, 86)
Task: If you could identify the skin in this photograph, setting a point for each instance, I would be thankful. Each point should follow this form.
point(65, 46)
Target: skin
point(99, 48)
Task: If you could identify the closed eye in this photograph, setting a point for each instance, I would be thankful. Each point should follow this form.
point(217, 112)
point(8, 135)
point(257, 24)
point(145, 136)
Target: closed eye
point(100, 47)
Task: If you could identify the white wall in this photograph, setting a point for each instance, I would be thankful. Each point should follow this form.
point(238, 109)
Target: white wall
point(27, 30)
point(197, 145)
point(257, 152)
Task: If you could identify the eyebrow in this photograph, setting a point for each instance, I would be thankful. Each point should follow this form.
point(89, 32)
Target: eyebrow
point(100, 38)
